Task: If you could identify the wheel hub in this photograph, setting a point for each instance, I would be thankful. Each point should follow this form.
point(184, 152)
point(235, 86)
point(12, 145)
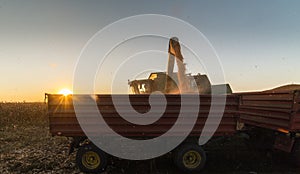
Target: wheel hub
point(91, 160)
point(191, 159)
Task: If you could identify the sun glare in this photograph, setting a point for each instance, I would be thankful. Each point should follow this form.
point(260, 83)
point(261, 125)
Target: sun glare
point(65, 92)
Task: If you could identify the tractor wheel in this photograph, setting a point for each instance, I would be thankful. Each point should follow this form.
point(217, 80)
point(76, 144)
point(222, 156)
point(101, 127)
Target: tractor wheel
point(190, 157)
point(91, 159)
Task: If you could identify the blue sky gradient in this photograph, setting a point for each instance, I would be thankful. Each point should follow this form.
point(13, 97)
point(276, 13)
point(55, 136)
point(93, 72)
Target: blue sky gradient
point(257, 41)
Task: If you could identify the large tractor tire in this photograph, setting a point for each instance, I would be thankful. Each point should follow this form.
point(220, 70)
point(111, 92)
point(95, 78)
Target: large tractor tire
point(190, 157)
point(91, 159)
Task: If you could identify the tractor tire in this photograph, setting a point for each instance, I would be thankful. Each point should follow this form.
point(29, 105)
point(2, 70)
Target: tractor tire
point(190, 157)
point(91, 159)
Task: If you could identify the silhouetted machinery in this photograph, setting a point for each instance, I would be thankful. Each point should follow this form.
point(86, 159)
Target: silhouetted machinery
point(171, 82)
point(270, 118)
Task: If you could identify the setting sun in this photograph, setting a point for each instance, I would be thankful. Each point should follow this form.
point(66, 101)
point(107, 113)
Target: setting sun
point(65, 92)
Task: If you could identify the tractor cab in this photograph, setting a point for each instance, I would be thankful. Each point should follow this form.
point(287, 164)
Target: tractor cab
point(155, 82)
point(167, 84)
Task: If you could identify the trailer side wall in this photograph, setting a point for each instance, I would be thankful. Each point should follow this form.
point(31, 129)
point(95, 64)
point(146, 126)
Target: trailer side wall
point(63, 120)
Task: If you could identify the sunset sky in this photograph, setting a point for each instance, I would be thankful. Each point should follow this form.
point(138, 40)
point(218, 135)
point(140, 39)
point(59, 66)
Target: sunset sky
point(40, 41)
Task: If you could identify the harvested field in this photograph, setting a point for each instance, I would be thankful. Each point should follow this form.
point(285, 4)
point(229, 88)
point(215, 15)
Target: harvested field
point(27, 147)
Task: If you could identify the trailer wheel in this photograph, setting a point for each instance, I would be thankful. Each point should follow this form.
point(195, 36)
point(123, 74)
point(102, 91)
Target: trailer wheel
point(190, 157)
point(91, 159)
point(296, 153)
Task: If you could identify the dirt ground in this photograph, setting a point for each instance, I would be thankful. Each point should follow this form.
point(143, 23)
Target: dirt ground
point(27, 147)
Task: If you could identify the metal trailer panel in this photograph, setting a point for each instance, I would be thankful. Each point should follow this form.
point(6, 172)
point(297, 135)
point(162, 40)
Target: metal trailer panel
point(271, 110)
point(295, 121)
point(63, 120)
